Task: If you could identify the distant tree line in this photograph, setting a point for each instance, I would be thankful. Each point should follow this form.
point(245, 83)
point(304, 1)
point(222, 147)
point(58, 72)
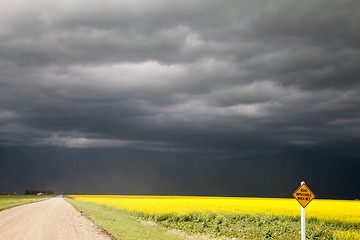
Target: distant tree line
point(36, 192)
point(7, 193)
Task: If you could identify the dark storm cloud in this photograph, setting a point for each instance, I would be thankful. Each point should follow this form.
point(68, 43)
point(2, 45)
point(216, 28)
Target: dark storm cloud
point(78, 171)
point(230, 80)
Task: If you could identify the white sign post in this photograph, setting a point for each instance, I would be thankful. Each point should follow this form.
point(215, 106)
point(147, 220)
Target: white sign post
point(304, 196)
point(303, 230)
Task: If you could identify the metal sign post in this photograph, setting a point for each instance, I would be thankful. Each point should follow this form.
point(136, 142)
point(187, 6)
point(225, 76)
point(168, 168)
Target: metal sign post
point(303, 230)
point(304, 196)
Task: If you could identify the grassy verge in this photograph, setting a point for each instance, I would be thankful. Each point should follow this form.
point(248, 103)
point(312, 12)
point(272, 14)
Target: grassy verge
point(120, 225)
point(9, 201)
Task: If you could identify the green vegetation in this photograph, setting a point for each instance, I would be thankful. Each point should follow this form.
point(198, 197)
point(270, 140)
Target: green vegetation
point(120, 225)
point(35, 192)
point(9, 201)
point(248, 226)
point(240, 226)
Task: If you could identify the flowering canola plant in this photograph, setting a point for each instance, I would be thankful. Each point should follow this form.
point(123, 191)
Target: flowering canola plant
point(348, 235)
point(338, 210)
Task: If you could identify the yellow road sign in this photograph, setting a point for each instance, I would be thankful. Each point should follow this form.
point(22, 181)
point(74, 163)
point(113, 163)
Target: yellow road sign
point(304, 195)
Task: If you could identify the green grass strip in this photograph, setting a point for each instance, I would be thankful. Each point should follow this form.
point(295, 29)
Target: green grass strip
point(10, 201)
point(119, 225)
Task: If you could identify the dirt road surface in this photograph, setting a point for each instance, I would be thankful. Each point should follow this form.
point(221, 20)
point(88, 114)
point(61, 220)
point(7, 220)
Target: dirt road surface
point(47, 220)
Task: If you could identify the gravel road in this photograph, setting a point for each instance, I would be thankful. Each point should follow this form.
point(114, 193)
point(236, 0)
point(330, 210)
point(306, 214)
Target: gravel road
point(47, 220)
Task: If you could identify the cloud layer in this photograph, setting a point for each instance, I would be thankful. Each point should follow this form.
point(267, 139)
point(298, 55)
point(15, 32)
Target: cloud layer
point(235, 77)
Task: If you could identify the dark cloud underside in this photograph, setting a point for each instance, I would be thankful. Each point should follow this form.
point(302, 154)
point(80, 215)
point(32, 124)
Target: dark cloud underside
point(197, 88)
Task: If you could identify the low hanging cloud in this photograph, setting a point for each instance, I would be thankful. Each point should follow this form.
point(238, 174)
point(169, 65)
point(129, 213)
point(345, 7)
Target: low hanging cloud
point(157, 71)
point(81, 142)
point(180, 97)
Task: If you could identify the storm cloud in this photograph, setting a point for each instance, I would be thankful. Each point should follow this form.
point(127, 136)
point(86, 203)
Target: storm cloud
point(196, 88)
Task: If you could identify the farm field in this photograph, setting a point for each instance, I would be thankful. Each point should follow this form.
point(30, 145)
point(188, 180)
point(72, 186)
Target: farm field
point(242, 218)
point(9, 201)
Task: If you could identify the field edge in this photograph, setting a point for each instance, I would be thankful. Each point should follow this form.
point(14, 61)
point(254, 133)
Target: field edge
point(118, 225)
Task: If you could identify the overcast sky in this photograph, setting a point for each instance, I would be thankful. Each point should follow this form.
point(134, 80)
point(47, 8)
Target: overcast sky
point(244, 98)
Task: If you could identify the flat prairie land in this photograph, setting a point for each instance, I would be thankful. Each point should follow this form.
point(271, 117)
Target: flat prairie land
point(9, 201)
point(233, 217)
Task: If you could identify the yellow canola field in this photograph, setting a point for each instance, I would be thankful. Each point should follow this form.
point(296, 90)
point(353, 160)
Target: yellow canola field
point(340, 210)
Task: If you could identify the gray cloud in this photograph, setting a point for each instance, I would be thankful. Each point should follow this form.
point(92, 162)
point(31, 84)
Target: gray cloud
point(232, 77)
